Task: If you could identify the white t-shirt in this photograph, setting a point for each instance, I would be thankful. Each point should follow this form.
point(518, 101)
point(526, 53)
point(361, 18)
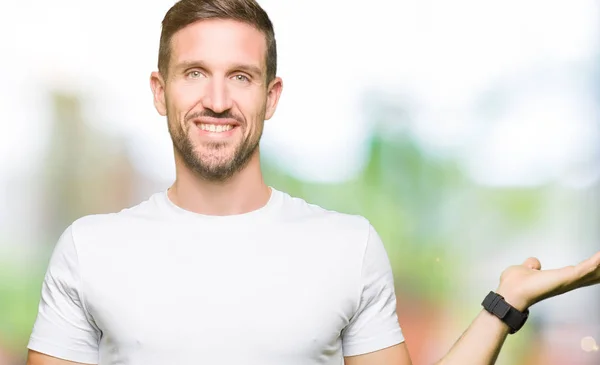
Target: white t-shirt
point(290, 283)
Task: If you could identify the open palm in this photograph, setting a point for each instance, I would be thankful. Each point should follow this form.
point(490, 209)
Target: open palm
point(526, 284)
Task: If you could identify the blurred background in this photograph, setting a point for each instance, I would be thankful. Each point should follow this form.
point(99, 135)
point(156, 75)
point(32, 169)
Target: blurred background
point(468, 132)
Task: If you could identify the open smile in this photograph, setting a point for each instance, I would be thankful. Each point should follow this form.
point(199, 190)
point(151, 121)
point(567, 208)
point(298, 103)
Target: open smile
point(215, 128)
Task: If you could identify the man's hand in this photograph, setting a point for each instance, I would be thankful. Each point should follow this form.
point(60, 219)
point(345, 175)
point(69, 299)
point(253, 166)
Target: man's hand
point(522, 286)
point(526, 284)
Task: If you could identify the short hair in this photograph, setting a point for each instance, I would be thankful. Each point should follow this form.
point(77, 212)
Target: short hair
point(186, 12)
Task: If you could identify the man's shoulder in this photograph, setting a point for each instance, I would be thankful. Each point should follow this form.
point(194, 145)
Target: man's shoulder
point(142, 212)
point(301, 211)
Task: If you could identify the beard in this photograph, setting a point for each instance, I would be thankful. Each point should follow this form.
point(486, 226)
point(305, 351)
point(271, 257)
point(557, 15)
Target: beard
point(212, 161)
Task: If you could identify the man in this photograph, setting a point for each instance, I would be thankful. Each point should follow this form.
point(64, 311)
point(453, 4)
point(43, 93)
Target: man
point(221, 268)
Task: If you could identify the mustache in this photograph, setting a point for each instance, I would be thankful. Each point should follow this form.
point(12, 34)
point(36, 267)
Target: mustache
point(227, 114)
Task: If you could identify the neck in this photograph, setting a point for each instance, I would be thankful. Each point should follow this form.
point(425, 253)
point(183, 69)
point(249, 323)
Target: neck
point(246, 191)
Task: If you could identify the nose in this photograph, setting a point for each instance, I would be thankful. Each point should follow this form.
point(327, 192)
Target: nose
point(216, 96)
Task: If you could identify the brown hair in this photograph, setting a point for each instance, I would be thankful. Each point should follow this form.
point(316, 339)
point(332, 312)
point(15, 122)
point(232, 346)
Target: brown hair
point(186, 12)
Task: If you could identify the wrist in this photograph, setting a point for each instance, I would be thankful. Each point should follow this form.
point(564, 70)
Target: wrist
point(515, 299)
point(497, 305)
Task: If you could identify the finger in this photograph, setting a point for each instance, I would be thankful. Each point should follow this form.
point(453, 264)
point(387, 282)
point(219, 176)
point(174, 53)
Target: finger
point(595, 260)
point(590, 267)
point(533, 263)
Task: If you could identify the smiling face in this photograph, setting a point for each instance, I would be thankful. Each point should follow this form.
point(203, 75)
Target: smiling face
point(215, 96)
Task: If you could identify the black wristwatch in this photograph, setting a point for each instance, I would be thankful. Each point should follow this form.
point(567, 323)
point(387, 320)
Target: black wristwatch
point(496, 305)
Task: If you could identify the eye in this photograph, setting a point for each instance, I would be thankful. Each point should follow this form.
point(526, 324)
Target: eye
point(195, 74)
point(241, 78)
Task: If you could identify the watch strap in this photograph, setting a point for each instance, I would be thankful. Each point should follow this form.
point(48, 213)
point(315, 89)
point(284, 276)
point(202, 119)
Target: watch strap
point(496, 305)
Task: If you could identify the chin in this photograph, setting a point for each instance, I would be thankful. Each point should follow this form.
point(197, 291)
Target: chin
point(214, 165)
point(210, 157)
point(212, 160)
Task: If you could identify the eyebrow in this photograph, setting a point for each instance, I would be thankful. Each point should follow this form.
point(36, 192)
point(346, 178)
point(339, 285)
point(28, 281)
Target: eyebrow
point(248, 68)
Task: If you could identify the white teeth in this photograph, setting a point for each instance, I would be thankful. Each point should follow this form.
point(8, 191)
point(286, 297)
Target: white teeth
point(216, 128)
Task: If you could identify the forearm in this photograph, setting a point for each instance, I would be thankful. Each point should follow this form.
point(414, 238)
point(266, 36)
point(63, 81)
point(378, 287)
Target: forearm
point(480, 344)
point(521, 286)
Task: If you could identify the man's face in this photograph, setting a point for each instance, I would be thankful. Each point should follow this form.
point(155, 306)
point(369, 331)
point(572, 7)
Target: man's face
point(215, 95)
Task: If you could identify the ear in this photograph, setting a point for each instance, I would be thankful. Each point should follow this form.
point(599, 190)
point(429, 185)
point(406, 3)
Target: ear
point(157, 83)
point(274, 92)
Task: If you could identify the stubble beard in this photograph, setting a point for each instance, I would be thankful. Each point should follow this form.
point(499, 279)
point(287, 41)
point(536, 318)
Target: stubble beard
point(209, 161)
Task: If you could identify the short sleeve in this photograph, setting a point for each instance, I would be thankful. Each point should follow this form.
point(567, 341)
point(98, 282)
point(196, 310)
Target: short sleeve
point(375, 325)
point(63, 329)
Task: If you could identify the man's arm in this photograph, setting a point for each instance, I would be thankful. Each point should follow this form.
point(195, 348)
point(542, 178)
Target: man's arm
point(521, 286)
point(37, 358)
point(479, 345)
point(395, 355)
point(63, 328)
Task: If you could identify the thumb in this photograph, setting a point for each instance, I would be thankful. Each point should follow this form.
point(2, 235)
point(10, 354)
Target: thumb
point(533, 263)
